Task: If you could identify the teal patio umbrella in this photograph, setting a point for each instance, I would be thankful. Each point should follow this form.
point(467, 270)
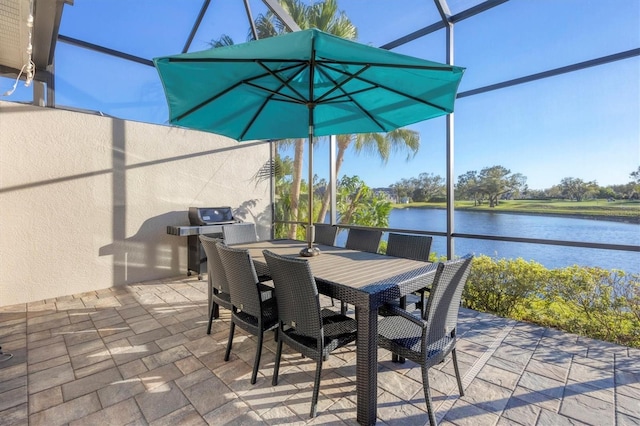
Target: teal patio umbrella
point(302, 85)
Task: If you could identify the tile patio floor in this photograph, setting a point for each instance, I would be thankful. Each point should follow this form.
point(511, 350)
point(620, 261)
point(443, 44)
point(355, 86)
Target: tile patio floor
point(139, 354)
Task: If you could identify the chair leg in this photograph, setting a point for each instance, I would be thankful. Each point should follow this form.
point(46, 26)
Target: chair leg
point(343, 308)
point(209, 300)
point(457, 370)
point(316, 389)
point(427, 396)
point(395, 357)
point(232, 328)
point(212, 315)
point(276, 367)
point(256, 363)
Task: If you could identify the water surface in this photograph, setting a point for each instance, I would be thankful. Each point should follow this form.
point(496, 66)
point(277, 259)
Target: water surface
point(527, 226)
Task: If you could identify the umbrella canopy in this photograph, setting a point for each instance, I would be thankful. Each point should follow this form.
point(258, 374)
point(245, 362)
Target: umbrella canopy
point(303, 84)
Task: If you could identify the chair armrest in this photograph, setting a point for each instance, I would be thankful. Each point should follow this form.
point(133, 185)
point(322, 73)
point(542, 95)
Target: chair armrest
point(397, 311)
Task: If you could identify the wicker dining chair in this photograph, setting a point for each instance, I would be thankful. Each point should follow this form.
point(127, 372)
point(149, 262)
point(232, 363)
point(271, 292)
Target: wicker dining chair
point(253, 310)
point(239, 233)
point(302, 325)
point(218, 287)
point(415, 247)
point(429, 339)
point(364, 240)
point(325, 234)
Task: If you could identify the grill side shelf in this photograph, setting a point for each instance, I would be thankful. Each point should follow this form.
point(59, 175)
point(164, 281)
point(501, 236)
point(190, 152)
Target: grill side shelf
point(185, 231)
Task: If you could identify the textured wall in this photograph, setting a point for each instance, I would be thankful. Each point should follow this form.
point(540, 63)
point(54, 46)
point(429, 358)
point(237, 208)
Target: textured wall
point(85, 200)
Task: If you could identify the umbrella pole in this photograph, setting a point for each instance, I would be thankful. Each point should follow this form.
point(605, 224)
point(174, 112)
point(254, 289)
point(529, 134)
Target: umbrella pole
point(310, 250)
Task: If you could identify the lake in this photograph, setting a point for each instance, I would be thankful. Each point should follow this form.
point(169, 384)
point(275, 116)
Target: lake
point(527, 226)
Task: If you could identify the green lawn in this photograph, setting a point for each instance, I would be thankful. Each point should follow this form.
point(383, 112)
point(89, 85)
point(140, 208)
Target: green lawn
point(628, 211)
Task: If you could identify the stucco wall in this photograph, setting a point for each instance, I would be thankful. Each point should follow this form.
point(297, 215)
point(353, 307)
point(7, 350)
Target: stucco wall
point(85, 200)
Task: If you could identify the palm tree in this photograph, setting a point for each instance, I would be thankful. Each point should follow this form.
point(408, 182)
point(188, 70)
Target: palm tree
point(381, 144)
point(358, 204)
point(325, 16)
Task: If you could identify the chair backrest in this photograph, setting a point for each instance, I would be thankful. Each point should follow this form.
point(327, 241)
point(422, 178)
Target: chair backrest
point(444, 298)
point(242, 278)
point(364, 240)
point(416, 247)
point(215, 270)
point(325, 234)
point(296, 294)
point(239, 233)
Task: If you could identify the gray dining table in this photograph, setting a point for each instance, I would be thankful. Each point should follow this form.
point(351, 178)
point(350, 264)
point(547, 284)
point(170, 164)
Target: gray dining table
point(364, 280)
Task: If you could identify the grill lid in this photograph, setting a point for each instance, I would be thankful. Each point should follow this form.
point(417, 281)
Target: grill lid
point(210, 215)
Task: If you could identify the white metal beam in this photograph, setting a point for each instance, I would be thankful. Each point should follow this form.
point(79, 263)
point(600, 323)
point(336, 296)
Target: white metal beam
point(286, 19)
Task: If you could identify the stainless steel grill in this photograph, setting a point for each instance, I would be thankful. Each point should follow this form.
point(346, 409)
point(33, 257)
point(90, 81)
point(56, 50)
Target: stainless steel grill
point(202, 220)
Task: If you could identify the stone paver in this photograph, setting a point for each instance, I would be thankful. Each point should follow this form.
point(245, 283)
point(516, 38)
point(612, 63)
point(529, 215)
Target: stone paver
point(588, 409)
point(67, 411)
point(45, 399)
point(51, 377)
point(139, 354)
point(161, 402)
point(125, 412)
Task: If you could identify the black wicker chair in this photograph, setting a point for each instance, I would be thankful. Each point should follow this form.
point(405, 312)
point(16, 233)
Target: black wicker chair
point(325, 234)
point(416, 247)
point(303, 325)
point(239, 233)
point(254, 310)
point(364, 240)
point(218, 286)
point(428, 340)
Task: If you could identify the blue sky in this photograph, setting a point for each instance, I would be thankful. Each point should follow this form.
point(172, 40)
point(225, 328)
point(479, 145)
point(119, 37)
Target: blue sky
point(585, 124)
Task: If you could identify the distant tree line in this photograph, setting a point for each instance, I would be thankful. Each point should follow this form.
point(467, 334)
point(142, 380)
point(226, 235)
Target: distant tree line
point(492, 184)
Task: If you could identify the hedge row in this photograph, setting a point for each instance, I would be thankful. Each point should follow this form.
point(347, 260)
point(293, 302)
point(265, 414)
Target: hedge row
point(588, 301)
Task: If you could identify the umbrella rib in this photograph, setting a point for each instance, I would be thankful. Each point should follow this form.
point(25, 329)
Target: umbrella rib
point(338, 86)
point(349, 95)
point(230, 88)
point(320, 61)
point(298, 64)
point(234, 60)
point(326, 62)
point(397, 92)
point(301, 100)
point(273, 93)
point(254, 118)
point(367, 113)
point(211, 99)
point(335, 99)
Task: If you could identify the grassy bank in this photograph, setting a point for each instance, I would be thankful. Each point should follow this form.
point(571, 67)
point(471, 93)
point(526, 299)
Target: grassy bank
point(623, 211)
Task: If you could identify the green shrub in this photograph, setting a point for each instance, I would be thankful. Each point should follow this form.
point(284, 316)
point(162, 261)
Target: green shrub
point(598, 303)
point(592, 302)
point(503, 285)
